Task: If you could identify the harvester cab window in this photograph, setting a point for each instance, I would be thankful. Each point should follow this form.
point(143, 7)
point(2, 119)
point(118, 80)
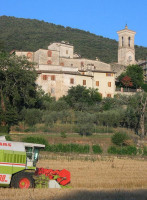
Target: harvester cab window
point(29, 152)
point(36, 154)
point(32, 156)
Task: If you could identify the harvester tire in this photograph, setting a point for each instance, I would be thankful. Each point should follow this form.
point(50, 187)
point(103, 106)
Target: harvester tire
point(22, 180)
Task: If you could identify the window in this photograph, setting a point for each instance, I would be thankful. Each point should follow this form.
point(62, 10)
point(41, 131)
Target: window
point(109, 95)
point(49, 53)
point(130, 58)
point(101, 94)
point(49, 62)
point(44, 77)
point(82, 64)
point(109, 84)
point(71, 65)
point(83, 73)
point(84, 82)
point(109, 74)
point(122, 41)
point(129, 41)
point(97, 83)
point(62, 63)
point(52, 90)
point(72, 81)
point(29, 55)
point(66, 51)
point(53, 77)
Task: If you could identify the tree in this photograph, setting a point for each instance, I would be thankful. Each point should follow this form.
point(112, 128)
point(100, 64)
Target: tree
point(79, 97)
point(126, 81)
point(135, 73)
point(135, 113)
point(43, 101)
point(119, 138)
point(17, 87)
point(143, 105)
point(32, 116)
point(85, 123)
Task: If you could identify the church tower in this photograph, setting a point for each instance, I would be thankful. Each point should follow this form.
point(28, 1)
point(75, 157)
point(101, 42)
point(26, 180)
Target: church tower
point(126, 50)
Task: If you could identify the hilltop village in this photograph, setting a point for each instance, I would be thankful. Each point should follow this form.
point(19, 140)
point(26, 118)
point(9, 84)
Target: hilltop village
point(59, 68)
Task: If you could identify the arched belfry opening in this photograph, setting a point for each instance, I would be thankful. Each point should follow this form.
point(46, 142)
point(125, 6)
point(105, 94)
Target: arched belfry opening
point(129, 41)
point(122, 41)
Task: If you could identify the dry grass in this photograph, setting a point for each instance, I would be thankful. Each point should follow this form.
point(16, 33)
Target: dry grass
point(109, 179)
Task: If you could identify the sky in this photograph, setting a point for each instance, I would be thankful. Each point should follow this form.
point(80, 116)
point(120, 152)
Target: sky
point(101, 17)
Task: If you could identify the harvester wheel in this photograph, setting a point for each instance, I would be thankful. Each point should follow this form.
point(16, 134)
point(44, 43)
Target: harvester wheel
point(22, 180)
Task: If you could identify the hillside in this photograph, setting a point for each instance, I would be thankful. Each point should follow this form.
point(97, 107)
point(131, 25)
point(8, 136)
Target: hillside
point(30, 35)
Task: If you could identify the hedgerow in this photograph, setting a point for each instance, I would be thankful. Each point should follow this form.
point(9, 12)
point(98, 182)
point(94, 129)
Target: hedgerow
point(128, 150)
point(97, 149)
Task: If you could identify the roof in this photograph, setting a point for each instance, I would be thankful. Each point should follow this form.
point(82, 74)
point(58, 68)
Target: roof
point(62, 72)
point(57, 72)
point(100, 71)
point(16, 146)
point(142, 63)
point(33, 145)
point(126, 30)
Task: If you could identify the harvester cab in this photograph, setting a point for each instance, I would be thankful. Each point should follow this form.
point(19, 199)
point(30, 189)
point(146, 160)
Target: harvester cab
point(32, 153)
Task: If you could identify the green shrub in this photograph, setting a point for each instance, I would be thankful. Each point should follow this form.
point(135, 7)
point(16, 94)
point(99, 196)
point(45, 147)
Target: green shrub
point(129, 150)
point(8, 138)
point(4, 130)
point(144, 87)
point(119, 138)
point(36, 140)
point(97, 149)
point(67, 148)
point(49, 148)
point(112, 150)
point(63, 134)
point(145, 151)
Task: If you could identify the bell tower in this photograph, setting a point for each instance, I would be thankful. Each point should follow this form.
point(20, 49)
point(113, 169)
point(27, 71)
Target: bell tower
point(126, 50)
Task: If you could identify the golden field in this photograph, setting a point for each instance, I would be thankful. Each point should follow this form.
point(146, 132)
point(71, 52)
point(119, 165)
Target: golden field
point(104, 173)
point(106, 178)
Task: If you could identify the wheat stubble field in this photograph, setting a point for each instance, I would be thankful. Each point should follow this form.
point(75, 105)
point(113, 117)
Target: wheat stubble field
point(107, 178)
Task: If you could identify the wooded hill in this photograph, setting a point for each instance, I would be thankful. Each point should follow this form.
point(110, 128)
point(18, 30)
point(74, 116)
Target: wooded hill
point(31, 35)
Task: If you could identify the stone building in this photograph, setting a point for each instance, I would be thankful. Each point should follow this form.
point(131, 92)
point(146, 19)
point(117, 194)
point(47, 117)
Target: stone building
point(59, 69)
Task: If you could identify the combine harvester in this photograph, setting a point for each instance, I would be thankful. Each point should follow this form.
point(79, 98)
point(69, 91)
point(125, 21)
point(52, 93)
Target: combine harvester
point(18, 165)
